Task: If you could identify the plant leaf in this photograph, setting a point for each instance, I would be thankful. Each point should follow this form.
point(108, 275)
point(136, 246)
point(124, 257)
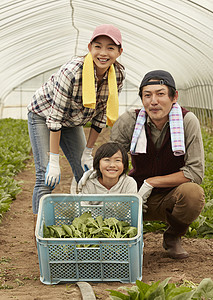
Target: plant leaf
point(157, 294)
point(143, 287)
point(184, 296)
point(204, 289)
point(119, 295)
point(100, 221)
point(182, 290)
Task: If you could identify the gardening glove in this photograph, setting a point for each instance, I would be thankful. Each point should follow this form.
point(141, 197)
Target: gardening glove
point(90, 174)
point(145, 192)
point(73, 187)
point(87, 159)
point(53, 172)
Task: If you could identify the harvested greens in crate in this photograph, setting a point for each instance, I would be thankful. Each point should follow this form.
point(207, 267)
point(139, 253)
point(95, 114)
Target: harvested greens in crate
point(87, 227)
point(70, 259)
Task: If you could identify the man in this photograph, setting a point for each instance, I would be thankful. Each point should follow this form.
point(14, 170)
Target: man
point(167, 157)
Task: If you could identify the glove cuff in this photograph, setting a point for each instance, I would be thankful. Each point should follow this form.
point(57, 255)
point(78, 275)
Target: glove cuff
point(88, 150)
point(147, 184)
point(54, 158)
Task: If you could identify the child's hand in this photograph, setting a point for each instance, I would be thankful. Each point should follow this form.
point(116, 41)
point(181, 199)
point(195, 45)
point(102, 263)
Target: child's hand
point(87, 175)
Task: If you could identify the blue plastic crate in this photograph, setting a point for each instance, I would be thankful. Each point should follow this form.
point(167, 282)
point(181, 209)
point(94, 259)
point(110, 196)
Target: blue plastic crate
point(67, 260)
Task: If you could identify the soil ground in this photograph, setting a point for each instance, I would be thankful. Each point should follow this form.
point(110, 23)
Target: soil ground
point(19, 267)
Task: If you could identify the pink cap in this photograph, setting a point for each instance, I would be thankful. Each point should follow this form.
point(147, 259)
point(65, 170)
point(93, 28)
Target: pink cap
point(108, 30)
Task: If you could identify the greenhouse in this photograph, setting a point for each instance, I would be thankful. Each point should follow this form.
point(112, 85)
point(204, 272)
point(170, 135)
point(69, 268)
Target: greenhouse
point(106, 175)
point(38, 37)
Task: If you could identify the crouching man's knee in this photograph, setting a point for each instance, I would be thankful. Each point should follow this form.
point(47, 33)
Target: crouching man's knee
point(190, 201)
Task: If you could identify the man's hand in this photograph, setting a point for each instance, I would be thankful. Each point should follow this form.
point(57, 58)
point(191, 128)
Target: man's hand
point(145, 192)
point(87, 159)
point(53, 172)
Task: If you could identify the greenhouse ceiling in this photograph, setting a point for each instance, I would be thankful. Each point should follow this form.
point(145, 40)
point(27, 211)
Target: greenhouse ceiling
point(177, 35)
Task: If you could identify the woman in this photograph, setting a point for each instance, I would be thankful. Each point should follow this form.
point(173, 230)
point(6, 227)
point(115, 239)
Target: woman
point(85, 89)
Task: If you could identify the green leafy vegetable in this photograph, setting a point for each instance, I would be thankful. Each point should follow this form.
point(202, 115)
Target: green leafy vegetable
point(14, 151)
point(165, 291)
point(68, 230)
point(87, 227)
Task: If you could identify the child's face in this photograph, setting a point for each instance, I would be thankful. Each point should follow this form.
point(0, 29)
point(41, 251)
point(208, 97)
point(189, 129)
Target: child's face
point(112, 167)
point(104, 53)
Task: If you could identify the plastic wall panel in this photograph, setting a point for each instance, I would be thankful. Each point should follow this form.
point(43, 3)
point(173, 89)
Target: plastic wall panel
point(173, 35)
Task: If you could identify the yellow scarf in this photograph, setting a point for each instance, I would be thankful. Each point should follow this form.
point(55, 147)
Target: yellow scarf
point(89, 93)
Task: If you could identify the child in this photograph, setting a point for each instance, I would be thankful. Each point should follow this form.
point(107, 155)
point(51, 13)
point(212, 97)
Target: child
point(109, 176)
point(85, 89)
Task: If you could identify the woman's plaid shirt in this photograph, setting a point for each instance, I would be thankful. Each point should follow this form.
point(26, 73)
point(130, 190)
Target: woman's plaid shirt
point(59, 100)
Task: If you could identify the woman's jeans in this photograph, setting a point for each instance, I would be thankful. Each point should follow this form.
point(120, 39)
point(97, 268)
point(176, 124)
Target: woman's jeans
point(72, 143)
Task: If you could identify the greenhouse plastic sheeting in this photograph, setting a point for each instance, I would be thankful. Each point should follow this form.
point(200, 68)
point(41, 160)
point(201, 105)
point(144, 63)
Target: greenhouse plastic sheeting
point(39, 36)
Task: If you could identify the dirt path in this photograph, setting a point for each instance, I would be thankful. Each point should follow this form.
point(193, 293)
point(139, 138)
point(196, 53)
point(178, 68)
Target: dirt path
point(19, 273)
